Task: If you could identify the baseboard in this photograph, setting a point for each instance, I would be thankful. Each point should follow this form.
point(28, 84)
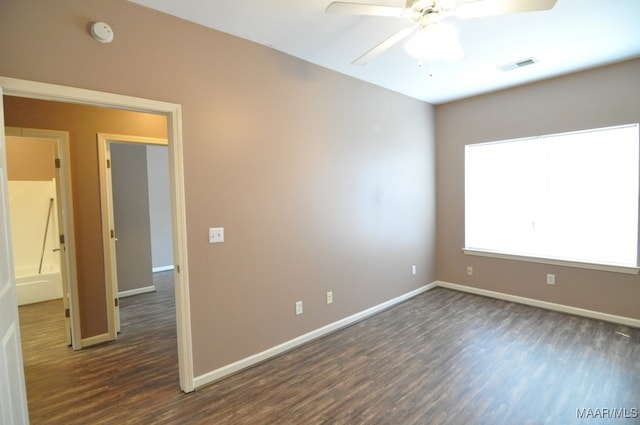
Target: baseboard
point(94, 340)
point(162, 268)
point(227, 370)
point(137, 291)
point(621, 320)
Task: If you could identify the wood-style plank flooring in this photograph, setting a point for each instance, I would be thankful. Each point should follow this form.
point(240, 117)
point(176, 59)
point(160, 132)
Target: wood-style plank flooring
point(443, 357)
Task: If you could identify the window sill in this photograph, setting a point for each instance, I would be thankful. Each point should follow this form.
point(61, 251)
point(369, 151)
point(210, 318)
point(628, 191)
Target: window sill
point(591, 266)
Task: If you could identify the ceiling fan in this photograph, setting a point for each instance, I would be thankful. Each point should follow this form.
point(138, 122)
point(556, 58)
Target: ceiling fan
point(429, 38)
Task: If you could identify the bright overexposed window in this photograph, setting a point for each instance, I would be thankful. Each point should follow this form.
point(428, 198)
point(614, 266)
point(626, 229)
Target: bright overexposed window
point(571, 196)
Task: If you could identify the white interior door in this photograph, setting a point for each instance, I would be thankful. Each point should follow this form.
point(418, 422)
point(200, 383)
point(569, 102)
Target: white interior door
point(13, 395)
point(109, 238)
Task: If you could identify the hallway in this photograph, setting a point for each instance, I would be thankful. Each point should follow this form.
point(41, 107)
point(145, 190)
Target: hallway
point(66, 386)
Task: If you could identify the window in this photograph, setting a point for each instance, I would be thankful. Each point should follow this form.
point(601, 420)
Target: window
point(569, 197)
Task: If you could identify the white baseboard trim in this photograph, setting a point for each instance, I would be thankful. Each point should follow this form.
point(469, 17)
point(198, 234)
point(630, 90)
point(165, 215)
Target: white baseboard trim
point(137, 291)
point(227, 370)
point(94, 340)
point(621, 320)
point(162, 268)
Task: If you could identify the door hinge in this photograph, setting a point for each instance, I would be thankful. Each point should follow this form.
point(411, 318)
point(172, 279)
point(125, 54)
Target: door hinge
point(62, 239)
point(116, 302)
point(67, 313)
point(108, 163)
point(177, 268)
point(113, 234)
point(57, 162)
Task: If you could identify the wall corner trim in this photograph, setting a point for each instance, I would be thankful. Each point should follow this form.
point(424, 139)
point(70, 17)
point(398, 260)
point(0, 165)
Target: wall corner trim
point(591, 314)
point(217, 374)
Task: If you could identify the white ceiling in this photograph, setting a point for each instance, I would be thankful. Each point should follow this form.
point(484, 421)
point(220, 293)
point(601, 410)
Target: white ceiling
point(574, 35)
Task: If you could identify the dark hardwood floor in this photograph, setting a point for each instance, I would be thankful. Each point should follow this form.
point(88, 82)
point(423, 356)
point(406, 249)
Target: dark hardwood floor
point(443, 357)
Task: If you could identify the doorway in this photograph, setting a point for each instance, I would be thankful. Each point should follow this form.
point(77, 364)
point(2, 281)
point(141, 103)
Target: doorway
point(136, 219)
point(40, 203)
point(34, 218)
point(35, 90)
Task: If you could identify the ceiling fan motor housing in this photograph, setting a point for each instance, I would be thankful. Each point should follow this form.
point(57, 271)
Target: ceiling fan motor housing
point(425, 12)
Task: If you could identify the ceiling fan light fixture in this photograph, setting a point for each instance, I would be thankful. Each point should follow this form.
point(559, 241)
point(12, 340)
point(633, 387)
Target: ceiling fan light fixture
point(435, 42)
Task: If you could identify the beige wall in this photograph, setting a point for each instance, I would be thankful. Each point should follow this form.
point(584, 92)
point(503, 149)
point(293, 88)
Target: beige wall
point(597, 98)
point(321, 182)
point(83, 123)
point(29, 158)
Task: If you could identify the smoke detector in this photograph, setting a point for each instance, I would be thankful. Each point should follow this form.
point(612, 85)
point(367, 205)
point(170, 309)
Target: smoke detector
point(102, 32)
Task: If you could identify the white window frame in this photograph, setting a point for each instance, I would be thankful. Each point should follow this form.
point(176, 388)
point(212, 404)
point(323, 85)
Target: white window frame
point(554, 261)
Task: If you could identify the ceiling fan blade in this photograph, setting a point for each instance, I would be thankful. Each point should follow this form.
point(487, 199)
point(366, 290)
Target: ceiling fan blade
point(386, 44)
point(345, 8)
point(481, 8)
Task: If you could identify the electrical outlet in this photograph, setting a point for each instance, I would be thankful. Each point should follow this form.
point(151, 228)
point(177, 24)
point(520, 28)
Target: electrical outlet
point(551, 279)
point(216, 234)
point(298, 308)
point(469, 271)
point(414, 270)
point(329, 297)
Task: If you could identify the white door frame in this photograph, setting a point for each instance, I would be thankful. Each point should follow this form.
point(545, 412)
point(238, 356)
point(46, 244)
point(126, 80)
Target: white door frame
point(109, 232)
point(65, 226)
point(45, 91)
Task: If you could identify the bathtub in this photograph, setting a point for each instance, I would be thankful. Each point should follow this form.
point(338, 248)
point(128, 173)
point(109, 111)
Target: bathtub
point(32, 287)
point(34, 229)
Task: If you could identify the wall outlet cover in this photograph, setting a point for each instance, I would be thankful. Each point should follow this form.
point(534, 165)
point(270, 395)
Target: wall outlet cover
point(216, 234)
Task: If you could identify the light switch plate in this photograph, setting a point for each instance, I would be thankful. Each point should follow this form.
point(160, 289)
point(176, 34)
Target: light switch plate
point(216, 234)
